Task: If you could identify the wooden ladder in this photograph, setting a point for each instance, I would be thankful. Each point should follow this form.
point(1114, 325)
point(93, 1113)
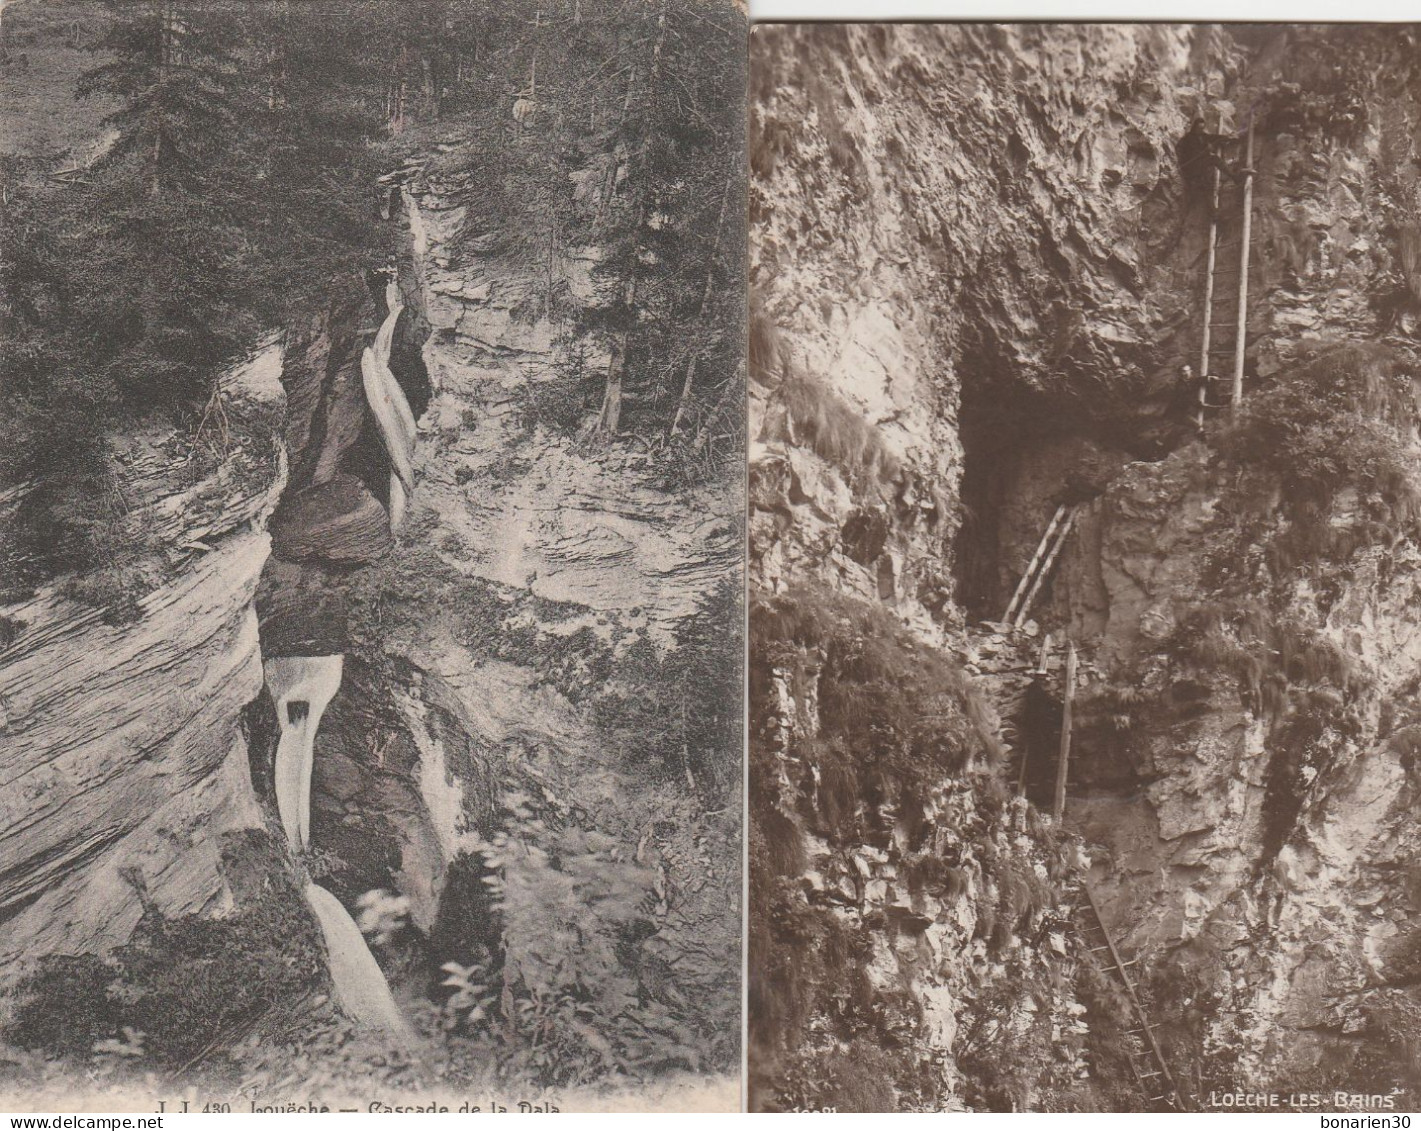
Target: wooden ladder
point(1148, 1064)
point(1039, 568)
point(1226, 307)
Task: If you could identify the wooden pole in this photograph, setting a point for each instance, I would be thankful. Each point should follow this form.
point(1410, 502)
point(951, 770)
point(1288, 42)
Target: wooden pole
point(1040, 670)
point(1208, 296)
point(1068, 696)
point(1036, 557)
point(1045, 571)
point(1031, 567)
point(1237, 399)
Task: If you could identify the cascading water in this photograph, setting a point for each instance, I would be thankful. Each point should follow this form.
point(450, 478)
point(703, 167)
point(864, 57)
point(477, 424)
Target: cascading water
point(359, 982)
point(303, 686)
point(392, 411)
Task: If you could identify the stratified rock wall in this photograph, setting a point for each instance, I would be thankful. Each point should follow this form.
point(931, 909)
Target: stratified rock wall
point(522, 505)
point(121, 744)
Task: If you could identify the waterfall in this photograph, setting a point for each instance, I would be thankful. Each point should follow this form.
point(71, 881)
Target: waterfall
point(303, 687)
point(360, 986)
point(392, 412)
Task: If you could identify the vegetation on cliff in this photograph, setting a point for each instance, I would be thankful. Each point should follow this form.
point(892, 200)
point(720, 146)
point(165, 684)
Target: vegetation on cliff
point(235, 186)
point(874, 748)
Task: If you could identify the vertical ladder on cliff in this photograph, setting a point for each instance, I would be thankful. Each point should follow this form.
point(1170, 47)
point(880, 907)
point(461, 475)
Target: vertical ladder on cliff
point(1148, 1064)
point(1225, 318)
point(1039, 568)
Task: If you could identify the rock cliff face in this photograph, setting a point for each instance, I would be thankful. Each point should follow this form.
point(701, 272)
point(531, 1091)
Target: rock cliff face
point(978, 276)
point(493, 766)
point(122, 738)
point(535, 571)
point(478, 764)
point(560, 519)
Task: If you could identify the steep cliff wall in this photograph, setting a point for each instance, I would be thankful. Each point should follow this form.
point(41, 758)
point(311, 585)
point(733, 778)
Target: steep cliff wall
point(979, 252)
point(500, 630)
point(501, 648)
point(123, 694)
point(977, 280)
point(515, 765)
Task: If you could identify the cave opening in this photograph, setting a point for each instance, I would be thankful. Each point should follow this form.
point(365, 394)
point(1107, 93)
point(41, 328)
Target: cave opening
point(468, 926)
point(1018, 451)
point(1026, 453)
point(1038, 728)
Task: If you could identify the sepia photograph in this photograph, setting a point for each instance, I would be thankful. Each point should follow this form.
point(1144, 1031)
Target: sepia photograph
point(632, 556)
point(1085, 568)
point(371, 555)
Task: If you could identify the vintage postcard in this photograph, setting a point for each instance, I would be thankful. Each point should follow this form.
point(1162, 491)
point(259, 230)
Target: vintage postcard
point(371, 554)
point(400, 400)
point(1084, 638)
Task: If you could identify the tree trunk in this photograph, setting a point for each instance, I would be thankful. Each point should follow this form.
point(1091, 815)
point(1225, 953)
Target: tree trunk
point(165, 31)
point(1068, 697)
point(276, 57)
point(430, 75)
point(156, 187)
point(691, 361)
point(610, 415)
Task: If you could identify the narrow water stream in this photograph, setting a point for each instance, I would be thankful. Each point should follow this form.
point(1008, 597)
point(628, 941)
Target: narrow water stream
point(360, 986)
point(392, 411)
point(303, 687)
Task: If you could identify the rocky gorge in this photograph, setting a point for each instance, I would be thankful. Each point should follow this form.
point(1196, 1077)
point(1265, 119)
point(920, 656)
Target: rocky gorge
point(365, 700)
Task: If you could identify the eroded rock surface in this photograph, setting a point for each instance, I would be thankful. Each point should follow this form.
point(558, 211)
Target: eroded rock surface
point(122, 748)
point(977, 273)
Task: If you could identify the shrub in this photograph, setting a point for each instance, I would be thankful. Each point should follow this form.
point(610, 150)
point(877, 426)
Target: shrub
point(858, 1077)
point(836, 431)
point(191, 986)
point(897, 718)
point(572, 1000)
point(1341, 420)
point(897, 733)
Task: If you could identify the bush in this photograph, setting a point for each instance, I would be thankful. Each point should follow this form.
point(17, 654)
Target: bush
point(191, 986)
point(575, 991)
point(836, 431)
point(1342, 420)
point(897, 718)
point(897, 735)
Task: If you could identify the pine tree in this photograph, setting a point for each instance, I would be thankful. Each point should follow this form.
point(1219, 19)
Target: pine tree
point(172, 70)
point(674, 235)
